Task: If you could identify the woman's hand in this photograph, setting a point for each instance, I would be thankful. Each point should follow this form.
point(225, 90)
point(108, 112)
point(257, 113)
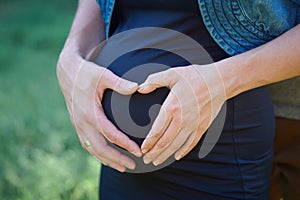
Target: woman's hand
point(197, 92)
point(196, 97)
point(83, 84)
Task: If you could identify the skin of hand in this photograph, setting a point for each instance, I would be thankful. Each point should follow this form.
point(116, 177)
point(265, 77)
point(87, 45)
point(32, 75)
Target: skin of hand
point(175, 130)
point(83, 99)
point(196, 97)
point(83, 83)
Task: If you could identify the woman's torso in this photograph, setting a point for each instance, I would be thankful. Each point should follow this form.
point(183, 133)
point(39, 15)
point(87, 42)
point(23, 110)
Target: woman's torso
point(240, 163)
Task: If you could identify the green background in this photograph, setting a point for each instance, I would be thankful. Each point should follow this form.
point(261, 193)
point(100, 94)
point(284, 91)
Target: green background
point(40, 155)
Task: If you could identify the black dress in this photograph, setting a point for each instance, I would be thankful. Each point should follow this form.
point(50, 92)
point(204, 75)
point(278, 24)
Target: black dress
point(239, 165)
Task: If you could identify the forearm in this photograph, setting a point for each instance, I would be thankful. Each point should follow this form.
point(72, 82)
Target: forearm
point(87, 30)
point(275, 61)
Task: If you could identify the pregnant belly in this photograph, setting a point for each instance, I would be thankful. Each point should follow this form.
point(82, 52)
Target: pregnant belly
point(134, 114)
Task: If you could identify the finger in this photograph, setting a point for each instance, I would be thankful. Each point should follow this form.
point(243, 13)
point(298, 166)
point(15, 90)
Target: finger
point(99, 148)
point(122, 86)
point(165, 78)
point(120, 166)
point(167, 138)
point(111, 164)
point(113, 135)
point(161, 122)
point(188, 146)
point(113, 157)
point(176, 144)
point(193, 140)
point(103, 160)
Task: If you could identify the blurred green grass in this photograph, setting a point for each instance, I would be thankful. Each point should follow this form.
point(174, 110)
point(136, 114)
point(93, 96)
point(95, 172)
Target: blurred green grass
point(40, 156)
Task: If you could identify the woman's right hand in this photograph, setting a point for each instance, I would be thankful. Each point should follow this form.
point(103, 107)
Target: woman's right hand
point(83, 84)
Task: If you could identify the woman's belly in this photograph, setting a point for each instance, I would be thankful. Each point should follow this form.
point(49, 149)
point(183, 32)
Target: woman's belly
point(134, 114)
point(134, 55)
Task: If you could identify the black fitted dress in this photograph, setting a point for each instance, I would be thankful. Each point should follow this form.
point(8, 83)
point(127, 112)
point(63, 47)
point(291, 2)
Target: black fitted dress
point(239, 165)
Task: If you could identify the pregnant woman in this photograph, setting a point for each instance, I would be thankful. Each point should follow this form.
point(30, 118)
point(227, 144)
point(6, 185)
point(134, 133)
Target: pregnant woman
point(251, 45)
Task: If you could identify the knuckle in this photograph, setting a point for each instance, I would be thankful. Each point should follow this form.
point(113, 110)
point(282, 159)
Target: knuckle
point(171, 70)
point(113, 138)
point(173, 108)
point(175, 146)
point(107, 77)
point(153, 137)
point(162, 144)
point(151, 78)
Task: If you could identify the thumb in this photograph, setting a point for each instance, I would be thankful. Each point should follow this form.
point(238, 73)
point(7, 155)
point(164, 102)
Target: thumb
point(118, 84)
point(157, 80)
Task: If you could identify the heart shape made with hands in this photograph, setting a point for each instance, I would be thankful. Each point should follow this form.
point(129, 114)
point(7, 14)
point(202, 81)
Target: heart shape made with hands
point(134, 114)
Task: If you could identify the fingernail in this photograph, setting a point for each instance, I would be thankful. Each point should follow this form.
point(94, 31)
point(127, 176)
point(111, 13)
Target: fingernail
point(143, 87)
point(137, 154)
point(131, 85)
point(156, 162)
point(121, 169)
point(178, 157)
point(131, 166)
point(147, 160)
point(144, 150)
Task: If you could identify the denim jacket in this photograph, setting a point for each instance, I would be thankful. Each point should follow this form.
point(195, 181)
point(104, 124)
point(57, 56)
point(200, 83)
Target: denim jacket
point(234, 24)
point(241, 25)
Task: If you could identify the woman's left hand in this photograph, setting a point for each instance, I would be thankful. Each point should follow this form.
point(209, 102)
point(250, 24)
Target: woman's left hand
point(196, 97)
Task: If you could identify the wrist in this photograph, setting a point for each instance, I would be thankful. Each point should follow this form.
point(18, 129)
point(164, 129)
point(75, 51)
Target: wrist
point(243, 72)
point(212, 77)
point(229, 74)
point(68, 64)
point(70, 56)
